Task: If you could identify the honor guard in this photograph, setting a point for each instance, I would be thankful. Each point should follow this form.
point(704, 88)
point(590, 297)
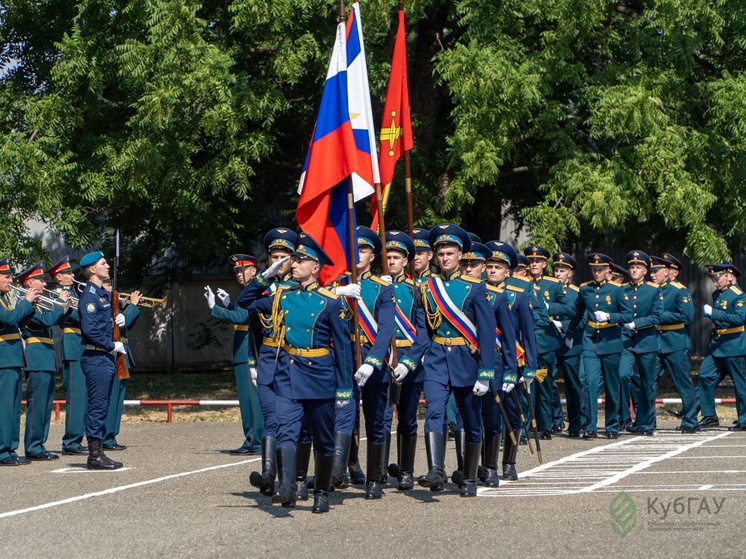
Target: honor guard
point(423, 254)
point(11, 362)
point(314, 335)
point(676, 318)
point(409, 322)
point(460, 355)
point(602, 307)
point(41, 366)
point(641, 340)
point(726, 352)
point(548, 302)
point(97, 360)
point(564, 266)
point(244, 360)
point(280, 243)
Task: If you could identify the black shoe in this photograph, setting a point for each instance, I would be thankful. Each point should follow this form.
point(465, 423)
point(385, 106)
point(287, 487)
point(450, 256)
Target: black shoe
point(21, 460)
point(434, 479)
point(116, 446)
point(509, 472)
point(737, 427)
point(709, 421)
point(523, 440)
point(689, 430)
point(97, 460)
point(614, 434)
point(634, 429)
point(10, 461)
point(78, 451)
point(42, 457)
point(626, 423)
point(573, 435)
point(558, 428)
point(373, 489)
point(357, 476)
point(675, 413)
point(244, 450)
point(320, 501)
point(590, 435)
point(647, 432)
point(545, 435)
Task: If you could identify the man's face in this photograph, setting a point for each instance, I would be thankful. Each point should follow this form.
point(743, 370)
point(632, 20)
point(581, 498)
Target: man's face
point(101, 269)
point(303, 269)
point(600, 273)
point(448, 258)
point(637, 272)
point(472, 268)
point(245, 275)
point(366, 257)
point(537, 266)
point(35, 283)
point(107, 286)
point(723, 280)
point(659, 275)
point(65, 279)
point(277, 254)
point(673, 273)
point(563, 273)
point(422, 260)
point(5, 281)
point(520, 272)
point(397, 262)
point(496, 271)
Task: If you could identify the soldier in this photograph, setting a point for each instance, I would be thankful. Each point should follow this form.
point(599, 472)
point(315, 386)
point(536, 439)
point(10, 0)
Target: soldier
point(521, 268)
point(41, 366)
point(602, 307)
point(564, 266)
point(423, 254)
point(726, 352)
point(244, 360)
point(11, 361)
point(97, 359)
point(316, 341)
point(641, 340)
point(677, 316)
point(460, 355)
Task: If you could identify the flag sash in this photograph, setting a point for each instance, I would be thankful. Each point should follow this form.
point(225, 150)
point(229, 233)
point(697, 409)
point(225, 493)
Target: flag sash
point(452, 312)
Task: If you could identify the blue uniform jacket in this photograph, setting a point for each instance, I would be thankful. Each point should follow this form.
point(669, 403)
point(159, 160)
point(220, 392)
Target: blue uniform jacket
point(94, 310)
point(239, 317)
point(506, 362)
point(647, 309)
point(678, 315)
point(37, 333)
point(523, 316)
point(728, 316)
point(11, 346)
point(72, 346)
point(606, 337)
point(408, 301)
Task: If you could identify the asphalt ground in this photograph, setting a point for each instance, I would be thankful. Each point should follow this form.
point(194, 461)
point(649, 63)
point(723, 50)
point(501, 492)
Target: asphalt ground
point(181, 495)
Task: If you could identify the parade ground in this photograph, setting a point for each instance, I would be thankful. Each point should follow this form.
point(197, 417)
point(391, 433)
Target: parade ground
point(181, 495)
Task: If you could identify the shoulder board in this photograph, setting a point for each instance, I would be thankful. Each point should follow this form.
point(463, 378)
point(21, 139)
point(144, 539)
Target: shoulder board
point(408, 281)
point(735, 289)
point(653, 284)
point(493, 288)
point(617, 284)
point(515, 288)
point(586, 283)
point(378, 280)
point(91, 289)
point(574, 287)
point(677, 285)
point(521, 278)
point(327, 293)
point(550, 278)
point(470, 279)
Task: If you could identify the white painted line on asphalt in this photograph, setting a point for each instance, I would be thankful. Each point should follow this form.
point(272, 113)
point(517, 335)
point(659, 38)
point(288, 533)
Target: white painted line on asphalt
point(691, 472)
point(113, 490)
point(705, 487)
point(83, 470)
point(708, 457)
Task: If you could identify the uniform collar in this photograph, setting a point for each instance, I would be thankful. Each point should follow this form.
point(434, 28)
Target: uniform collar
point(401, 278)
point(366, 274)
point(426, 274)
point(310, 287)
point(599, 284)
point(453, 276)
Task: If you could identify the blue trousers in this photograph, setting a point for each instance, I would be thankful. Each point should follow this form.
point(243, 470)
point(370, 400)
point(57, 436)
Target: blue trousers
point(375, 397)
point(76, 401)
point(678, 365)
point(469, 406)
point(492, 418)
point(712, 371)
point(113, 421)
point(573, 391)
point(251, 411)
point(345, 418)
point(602, 369)
point(39, 398)
point(99, 370)
point(409, 402)
point(267, 401)
point(10, 411)
point(292, 416)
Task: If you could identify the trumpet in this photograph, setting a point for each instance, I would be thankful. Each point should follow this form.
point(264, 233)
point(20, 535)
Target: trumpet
point(53, 295)
point(148, 302)
point(45, 303)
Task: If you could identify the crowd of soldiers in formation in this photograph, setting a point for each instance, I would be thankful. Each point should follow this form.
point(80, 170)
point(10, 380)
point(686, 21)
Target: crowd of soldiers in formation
point(482, 340)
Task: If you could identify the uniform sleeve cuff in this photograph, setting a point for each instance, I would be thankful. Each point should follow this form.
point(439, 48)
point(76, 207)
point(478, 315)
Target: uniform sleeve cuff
point(252, 362)
point(408, 363)
point(343, 394)
point(374, 362)
point(511, 378)
point(486, 374)
point(261, 281)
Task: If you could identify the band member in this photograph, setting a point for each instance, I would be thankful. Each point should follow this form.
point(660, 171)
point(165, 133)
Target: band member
point(97, 360)
point(11, 361)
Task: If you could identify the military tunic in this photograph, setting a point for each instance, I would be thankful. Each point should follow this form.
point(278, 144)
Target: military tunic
point(571, 364)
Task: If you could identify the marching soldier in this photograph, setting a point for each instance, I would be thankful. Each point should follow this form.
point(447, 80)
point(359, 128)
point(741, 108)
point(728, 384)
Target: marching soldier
point(521, 268)
point(315, 338)
point(602, 307)
point(726, 352)
point(677, 316)
point(11, 362)
point(423, 254)
point(460, 355)
point(244, 361)
point(41, 366)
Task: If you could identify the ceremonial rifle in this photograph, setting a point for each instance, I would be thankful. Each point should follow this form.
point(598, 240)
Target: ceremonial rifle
point(121, 359)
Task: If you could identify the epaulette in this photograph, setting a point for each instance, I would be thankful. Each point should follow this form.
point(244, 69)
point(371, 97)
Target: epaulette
point(471, 279)
point(653, 284)
point(735, 289)
point(378, 280)
point(550, 278)
point(677, 285)
point(586, 283)
point(521, 278)
point(516, 289)
point(408, 281)
point(574, 287)
point(328, 293)
point(617, 284)
point(92, 289)
point(493, 288)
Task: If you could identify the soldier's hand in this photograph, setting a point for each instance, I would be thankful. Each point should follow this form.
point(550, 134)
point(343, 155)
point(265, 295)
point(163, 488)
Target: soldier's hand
point(119, 348)
point(135, 297)
point(400, 371)
point(341, 403)
point(210, 296)
point(707, 310)
point(388, 279)
point(352, 290)
point(630, 326)
point(274, 268)
point(225, 299)
point(527, 381)
point(32, 295)
point(601, 316)
point(363, 374)
point(480, 388)
point(508, 387)
point(64, 296)
point(569, 342)
point(119, 320)
point(252, 372)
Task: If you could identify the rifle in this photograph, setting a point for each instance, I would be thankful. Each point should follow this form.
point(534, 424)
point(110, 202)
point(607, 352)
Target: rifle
point(523, 418)
point(506, 420)
point(121, 359)
point(532, 415)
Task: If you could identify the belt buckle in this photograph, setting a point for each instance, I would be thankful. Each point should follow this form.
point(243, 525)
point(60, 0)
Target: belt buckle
point(448, 342)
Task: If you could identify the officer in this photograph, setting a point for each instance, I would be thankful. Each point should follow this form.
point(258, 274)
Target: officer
point(423, 254)
point(641, 340)
point(280, 243)
point(602, 307)
point(564, 266)
point(460, 355)
point(315, 337)
point(41, 366)
point(726, 352)
point(521, 269)
point(97, 360)
point(409, 321)
point(244, 361)
point(113, 420)
point(548, 302)
point(11, 361)
point(616, 273)
point(676, 318)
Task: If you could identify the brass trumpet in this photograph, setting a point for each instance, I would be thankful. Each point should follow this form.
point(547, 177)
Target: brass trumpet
point(148, 302)
point(54, 295)
point(45, 303)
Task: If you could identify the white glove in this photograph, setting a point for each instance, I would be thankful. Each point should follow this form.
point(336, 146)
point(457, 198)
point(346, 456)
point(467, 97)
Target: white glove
point(352, 290)
point(341, 403)
point(119, 348)
point(630, 326)
point(400, 371)
point(569, 342)
point(252, 372)
point(119, 320)
point(557, 325)
point(274, 268)
point(388, 279)
point(210, 296)
point(508, 387)
point(363, 374)
point(707, 310)
point(224, 297)
point(601, 316)
point(481, 387)
point(528, 381)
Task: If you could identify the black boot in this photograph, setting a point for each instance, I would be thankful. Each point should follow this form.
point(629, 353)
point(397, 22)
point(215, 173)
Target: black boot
point(341, 458)
point(97, 460)
point(302, 457)
point(266, 480)
point(488, 472)
point(393, 469)
point(471, 462)
point(434, 477)
point(446, 436)
point(509, 453)
point(323, 479)
point(373, 487)
point(460, 440)
point(285, 494)
point(407, 450)
point(357, 476)
point(385, 462)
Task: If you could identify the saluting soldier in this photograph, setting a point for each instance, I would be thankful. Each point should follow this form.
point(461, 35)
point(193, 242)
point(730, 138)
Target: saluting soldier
point(460, 355)
point(41, 366)
point(726, 352)
point(244, 360)
point(11, 362)
point(642, 341)
point(602, 307)
point(676, 317)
